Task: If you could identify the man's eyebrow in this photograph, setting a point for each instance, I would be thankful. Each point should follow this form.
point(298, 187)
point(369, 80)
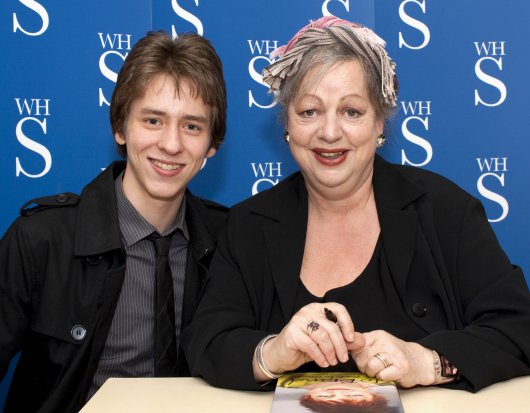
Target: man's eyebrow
point(188, 116)
point(196, 118)
point(151, 111)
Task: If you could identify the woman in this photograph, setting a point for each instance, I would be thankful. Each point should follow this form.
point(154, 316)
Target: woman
point(350, 397)
point(402, 253)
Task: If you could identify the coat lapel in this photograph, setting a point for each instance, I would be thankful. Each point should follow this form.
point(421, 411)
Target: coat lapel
point(398, 231)
point(285, 244)
point(199, 256)
point(285, 238)
point(394, 196)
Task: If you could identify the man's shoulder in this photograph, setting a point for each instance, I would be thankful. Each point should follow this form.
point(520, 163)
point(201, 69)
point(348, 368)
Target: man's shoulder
point(215, 206)
point(103, 182)
point(205, 205)
point(37, 205)
point(211, 213)
point(44, 216)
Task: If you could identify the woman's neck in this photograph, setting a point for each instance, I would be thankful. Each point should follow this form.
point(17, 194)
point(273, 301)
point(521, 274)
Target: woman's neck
point(340, 201)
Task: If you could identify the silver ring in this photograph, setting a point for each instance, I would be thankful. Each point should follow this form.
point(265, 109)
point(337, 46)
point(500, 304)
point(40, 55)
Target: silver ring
point(383, 360)
point(312, 326)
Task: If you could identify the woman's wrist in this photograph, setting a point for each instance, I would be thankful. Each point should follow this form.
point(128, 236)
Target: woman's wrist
point(260, 360)
point(444, 370)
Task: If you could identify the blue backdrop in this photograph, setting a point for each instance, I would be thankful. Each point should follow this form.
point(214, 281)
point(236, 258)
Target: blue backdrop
point(462, 67)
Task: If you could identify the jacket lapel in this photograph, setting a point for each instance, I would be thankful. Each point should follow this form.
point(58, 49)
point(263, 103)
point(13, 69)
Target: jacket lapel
point(398, 231)
point(394, 196)
point(285, 244)
point(285, 238)
point(200, 252)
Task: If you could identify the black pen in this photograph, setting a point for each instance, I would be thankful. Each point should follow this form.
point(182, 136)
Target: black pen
point(330, 315)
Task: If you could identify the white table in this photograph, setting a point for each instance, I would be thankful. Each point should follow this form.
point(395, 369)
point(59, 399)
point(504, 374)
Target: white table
point(193, 395)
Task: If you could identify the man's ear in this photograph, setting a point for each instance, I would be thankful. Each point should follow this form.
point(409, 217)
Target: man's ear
point(211, 152)
point(119, 138)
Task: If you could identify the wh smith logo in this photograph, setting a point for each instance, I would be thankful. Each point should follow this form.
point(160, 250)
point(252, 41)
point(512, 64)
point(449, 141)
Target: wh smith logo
point(34, 22)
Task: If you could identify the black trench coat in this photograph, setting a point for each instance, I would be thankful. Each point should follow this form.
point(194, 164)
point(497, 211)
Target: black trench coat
point(61, 270)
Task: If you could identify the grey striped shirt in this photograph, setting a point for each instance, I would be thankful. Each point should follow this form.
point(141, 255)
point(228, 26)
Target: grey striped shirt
point(129, 349)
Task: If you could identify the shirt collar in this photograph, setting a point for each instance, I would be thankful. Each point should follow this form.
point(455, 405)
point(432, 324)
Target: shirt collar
point(134, 227)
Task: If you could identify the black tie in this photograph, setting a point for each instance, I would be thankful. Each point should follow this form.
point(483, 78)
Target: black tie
point(165, 338)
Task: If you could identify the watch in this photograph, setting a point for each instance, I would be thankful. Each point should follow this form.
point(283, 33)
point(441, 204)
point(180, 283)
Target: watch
point(447, 369)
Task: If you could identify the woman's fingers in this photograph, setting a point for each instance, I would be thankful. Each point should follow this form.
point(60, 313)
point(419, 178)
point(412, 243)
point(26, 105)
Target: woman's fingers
point(322, 332)
point(358, 343)
point(380, 363)
point(344, 321)
point(338, 332)
point(318, 347)
point(389, 358)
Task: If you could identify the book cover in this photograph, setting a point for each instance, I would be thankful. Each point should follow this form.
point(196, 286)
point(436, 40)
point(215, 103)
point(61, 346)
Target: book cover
point(334, 392)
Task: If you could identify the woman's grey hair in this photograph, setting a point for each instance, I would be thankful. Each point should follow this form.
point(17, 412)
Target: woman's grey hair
point(321, 46)
point(322, 60)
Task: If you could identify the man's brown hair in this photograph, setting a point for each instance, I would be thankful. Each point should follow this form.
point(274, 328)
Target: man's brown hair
point(188, 56)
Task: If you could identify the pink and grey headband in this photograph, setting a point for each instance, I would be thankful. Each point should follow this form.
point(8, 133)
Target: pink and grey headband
point(331, 30)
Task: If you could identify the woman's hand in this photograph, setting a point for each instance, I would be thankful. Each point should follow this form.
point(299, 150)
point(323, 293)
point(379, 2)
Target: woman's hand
point(389, 358)
point(311, 336)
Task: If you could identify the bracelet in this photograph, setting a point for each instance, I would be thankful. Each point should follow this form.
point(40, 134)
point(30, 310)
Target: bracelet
point(444, 371)
point(436, 362)
point(261, 362)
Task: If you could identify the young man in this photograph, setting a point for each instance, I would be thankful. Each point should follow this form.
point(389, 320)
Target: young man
point(78, 274)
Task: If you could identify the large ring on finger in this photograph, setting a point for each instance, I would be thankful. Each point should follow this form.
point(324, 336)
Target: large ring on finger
point(383, 360)
point(312, 326)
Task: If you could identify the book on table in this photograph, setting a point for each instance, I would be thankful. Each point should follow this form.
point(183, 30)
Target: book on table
point(333, 392)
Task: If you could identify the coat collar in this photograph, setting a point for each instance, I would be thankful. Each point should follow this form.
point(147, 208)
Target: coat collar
point(392, 188)
point(97, 225)
point(286, 205)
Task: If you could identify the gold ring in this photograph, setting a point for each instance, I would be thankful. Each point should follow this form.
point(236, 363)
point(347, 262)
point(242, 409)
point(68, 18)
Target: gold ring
point(383, 360)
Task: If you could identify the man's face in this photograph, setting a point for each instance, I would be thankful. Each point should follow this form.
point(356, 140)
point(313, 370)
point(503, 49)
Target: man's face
point(168, 137)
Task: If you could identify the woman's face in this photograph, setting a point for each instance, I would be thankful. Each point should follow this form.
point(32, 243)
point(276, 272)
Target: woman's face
point(333, 130)
point(341, 392)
